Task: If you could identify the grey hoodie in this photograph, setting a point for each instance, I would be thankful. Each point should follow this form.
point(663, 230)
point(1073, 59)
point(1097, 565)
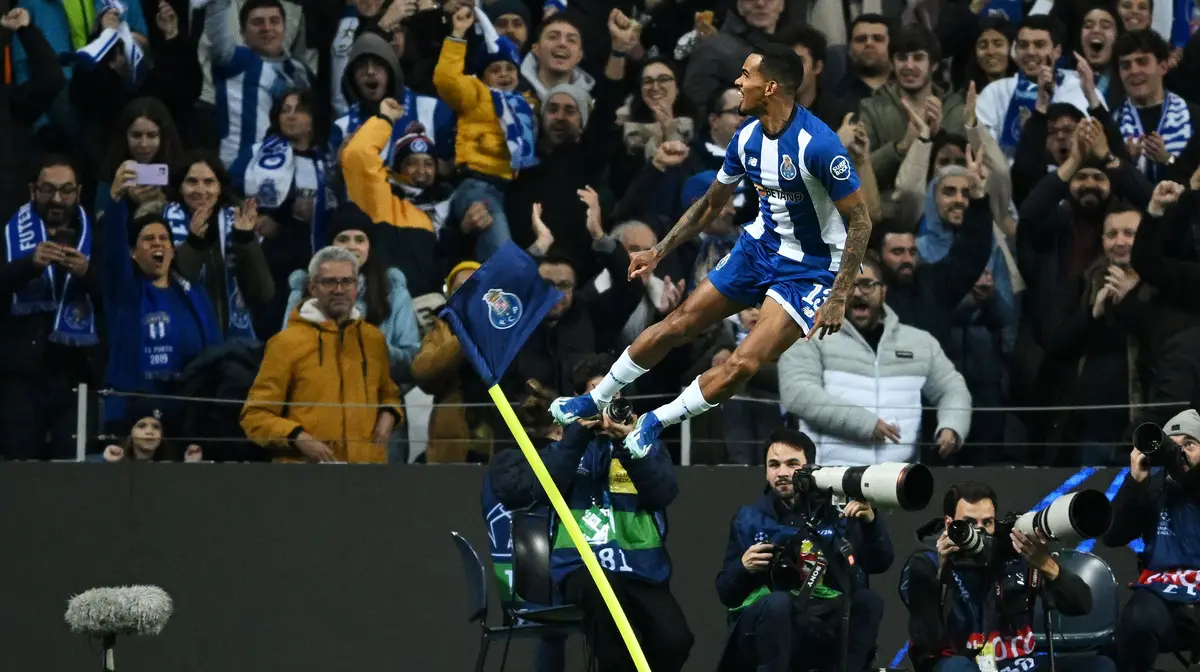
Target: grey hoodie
point(370, 44)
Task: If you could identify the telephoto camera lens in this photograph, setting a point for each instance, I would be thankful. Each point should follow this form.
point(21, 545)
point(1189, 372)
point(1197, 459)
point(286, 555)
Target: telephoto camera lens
point(1151, 441)
point(966, 536)
point(620, 411)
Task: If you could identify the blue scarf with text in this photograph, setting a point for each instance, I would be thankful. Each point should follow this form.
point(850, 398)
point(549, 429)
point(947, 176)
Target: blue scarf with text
point(160, 327)
point(179, 220)
point(74, 314)
point(1174, 125)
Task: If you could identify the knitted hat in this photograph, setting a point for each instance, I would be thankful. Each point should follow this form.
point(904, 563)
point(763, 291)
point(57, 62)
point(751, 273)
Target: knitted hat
point(583, 100)
point(144, 407)
point(499, 8)
point(1186, 423)
point(412, 143)
point(498, 48)
point(349, 216)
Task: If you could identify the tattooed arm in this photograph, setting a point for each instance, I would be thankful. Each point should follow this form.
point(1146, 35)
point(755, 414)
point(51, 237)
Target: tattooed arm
point(694, 220)
point(858, 234)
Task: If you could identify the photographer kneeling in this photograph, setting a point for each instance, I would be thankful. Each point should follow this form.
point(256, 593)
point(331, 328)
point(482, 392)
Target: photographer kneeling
point(796, 568)
point(1160, 503)
point(620, 504)
point(971, 609)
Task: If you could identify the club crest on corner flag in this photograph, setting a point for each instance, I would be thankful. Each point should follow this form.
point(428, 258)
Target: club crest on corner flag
point(497, 308)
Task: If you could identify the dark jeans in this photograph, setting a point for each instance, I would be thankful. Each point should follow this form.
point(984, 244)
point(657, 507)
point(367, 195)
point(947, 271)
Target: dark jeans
point(32, 408)
point(776, 639)
point(653, 614)
point(1061, 664)
point(1151, 625)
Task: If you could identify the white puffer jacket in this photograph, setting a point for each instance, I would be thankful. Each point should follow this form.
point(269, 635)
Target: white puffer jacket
point(839, 386)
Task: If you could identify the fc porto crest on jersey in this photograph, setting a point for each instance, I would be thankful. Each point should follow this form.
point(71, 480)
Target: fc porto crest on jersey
point(504, 308)
point(787, 169)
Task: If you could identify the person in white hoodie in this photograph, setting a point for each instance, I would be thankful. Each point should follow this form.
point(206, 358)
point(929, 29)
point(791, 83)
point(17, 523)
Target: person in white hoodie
point(1005, 104)
point(858, 392)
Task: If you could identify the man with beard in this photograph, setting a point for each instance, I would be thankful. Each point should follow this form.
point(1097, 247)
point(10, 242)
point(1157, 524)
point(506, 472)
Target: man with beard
point(372, 74)
point(1156, 124)
point(775, 629)
point(49, 292)
point(967, 616)
point(915, 55)
point(1005, 104)
point(1061, 219)
point(573, 151)
point(924, 292)
point(870, 60)
point(1161, 506)
point(831, 384)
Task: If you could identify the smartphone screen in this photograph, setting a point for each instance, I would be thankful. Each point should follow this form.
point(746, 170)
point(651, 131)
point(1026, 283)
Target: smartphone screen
point(151, 174)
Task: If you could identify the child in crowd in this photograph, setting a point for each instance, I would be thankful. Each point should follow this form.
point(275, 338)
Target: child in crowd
point(496, 127)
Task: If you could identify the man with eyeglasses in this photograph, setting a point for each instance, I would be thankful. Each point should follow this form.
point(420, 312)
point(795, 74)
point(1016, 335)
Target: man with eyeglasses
point(333, 366)
point(858, 392)
point(49, 293)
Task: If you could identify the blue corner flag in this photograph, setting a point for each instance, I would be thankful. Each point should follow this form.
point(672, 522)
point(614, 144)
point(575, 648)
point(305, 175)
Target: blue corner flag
point(497, 308)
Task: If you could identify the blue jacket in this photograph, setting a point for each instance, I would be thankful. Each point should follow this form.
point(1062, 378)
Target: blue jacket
point(400, 330)
point(1167, 519)
point(123, 292)
point(768, 520)
point(596, 481)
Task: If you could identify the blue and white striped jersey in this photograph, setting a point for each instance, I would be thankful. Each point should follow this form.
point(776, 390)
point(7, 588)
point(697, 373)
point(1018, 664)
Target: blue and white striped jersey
point(799, 175)
point(247, 86)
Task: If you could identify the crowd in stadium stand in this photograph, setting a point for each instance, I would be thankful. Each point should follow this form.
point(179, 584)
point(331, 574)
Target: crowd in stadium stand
point(172, 172)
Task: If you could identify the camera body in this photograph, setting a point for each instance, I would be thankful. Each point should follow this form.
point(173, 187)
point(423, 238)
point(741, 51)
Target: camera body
point(1151, 441)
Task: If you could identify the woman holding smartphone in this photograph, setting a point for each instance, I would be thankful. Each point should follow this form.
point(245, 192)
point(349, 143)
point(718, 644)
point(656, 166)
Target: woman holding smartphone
point(144, 295)
point(145, 133)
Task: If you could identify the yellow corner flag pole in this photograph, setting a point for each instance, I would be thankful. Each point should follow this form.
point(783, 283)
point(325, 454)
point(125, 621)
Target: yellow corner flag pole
point(568, 521)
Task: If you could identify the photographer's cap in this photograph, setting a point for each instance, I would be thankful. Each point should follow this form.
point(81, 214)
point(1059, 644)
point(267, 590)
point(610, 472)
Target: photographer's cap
point(1186, 423)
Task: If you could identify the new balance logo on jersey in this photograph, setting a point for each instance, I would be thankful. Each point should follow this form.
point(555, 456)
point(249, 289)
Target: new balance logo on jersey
point(790, 196)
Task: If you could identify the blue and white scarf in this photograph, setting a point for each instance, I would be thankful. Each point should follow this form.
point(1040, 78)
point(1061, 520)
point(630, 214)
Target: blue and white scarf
point(178, 220)
point(1174, 125)
point(514, 112)
point(160, 327)
point(74, 315)
point(275, 172)
point(94, 52)
point(1019, 107)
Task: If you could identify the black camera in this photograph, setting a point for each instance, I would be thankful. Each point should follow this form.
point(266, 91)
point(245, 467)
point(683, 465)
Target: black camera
point(974, 543)
point(1151, 441)
point(620, 411)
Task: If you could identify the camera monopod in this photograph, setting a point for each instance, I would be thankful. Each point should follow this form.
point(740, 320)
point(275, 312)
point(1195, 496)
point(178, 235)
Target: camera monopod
point(126, 610)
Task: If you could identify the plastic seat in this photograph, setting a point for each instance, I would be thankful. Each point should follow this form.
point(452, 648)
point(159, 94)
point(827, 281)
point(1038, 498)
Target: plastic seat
point(1094, 630)
point(531, 571)
point(475, 578)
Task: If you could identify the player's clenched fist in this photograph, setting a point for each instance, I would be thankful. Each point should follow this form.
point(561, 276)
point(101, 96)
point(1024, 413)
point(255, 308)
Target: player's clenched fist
point(642, 264)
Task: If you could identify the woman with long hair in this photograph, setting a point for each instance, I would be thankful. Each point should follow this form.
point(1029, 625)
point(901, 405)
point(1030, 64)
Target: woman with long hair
point(157, 320)
point(287, 174)
point(147, 134)
point(216, 243)
point(658, 112)
point(991, 55)
point(383, 297)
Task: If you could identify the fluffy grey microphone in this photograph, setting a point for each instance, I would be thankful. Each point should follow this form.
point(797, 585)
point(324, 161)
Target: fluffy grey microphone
point(125, 610)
